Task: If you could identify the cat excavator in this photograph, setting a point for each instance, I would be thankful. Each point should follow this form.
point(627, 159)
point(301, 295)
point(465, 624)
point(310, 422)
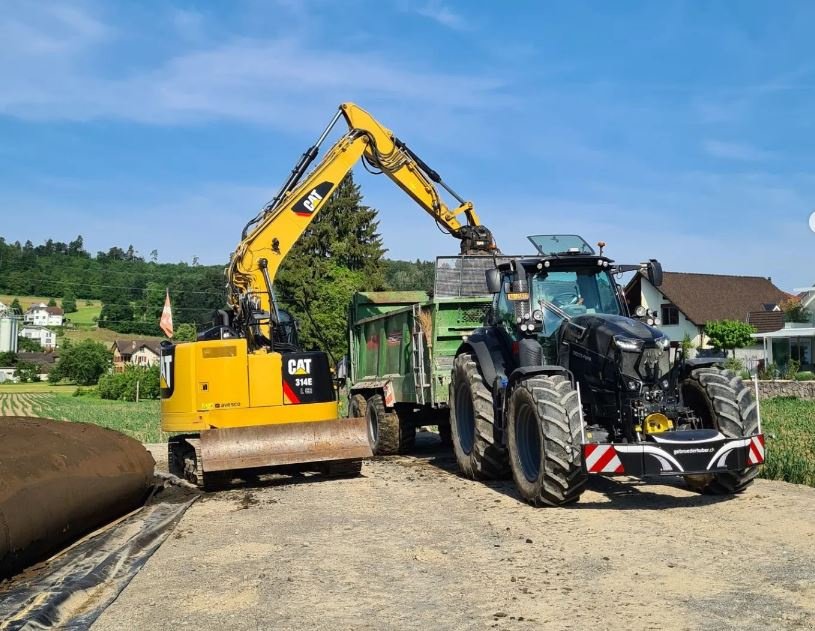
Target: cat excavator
point(245, 396)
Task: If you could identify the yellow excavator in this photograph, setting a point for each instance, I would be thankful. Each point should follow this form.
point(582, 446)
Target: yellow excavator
point(245, 396)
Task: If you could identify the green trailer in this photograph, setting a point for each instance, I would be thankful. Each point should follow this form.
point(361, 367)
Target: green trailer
point(402, 346)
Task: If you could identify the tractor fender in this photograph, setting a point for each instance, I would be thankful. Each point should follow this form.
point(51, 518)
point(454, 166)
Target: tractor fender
point(525, 372)
point(489, 352)
point(699, 362)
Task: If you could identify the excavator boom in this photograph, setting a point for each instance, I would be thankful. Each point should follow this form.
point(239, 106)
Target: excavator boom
point(245, 394)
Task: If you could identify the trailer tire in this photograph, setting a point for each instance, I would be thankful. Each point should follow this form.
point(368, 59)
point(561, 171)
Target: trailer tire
point(723, 402)
point(391, 435)
point(544, 439)
point(472, 421)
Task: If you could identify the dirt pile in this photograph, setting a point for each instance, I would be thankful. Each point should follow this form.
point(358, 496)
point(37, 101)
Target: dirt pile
point(60, 480)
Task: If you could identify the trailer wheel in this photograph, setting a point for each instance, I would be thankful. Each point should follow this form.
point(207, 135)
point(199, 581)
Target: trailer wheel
point(390, 434)
point(723, 402)
point(358, 408)
point(472, 421)
point(544, 439)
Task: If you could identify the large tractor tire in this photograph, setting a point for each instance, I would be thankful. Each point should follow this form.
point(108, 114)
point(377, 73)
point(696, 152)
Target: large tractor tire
point(472, 420)
point(722, 401)
point(544, 439)
point(389, 434)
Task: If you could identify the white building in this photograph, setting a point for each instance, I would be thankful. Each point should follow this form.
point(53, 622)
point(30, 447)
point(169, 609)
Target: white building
point(687, 302)
point(43, 315)
point(46, 337)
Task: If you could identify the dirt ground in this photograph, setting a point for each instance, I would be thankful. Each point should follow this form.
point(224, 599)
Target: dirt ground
point(410, 545)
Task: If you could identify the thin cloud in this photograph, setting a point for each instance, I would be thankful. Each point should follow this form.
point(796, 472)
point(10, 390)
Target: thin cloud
point(735, 151)
point(443, 15)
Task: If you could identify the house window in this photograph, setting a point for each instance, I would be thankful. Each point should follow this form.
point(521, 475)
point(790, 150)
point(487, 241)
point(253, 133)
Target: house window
point(670, 315)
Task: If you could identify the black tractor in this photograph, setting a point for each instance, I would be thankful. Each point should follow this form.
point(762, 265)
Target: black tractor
point(562, 382)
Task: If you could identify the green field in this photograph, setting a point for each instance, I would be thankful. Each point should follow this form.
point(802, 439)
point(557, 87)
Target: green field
point(139, 420)
point(790, 424)
point(20, 388)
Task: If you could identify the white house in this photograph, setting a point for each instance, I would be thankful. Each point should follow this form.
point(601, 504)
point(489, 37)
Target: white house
point(134, 352)
point(685, 303)
point(43, 315)
point(46, 337)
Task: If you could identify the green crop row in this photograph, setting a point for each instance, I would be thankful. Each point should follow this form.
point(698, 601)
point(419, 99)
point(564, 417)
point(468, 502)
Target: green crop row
point(790, 426)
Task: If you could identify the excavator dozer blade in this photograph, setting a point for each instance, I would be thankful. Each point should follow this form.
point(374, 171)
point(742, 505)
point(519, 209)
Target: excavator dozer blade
point(284, 444)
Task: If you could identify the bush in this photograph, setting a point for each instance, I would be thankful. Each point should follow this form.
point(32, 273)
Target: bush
point(791, 369)
point(26, 372)
point(806, 375)
point(745, 375)
point(768, 373)
point(736, 365)
point(85, 392)
point(121, 386)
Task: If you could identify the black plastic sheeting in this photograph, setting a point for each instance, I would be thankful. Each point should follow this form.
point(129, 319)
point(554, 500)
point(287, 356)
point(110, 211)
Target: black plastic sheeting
point(72, 590)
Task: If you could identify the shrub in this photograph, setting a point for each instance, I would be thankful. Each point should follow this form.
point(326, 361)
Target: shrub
point(745, 375)
point(86, 392)
point(791, 369)
point(121, 386)
point(736, 365)
point(806, 375)
point(768, 373)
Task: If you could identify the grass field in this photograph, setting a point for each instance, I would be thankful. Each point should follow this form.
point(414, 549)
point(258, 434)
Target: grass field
point(791, 453)
point(41, 387)
point(105, 336)
point(84, 314)
point(139, 420)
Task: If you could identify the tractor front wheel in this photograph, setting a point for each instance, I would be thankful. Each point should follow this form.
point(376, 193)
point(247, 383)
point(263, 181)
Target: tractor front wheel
point(723, 402)
point(544, 438)
point(472, 421)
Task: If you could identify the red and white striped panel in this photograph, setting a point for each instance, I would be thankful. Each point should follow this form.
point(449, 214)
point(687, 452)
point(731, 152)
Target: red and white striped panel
point(601, 459)
point(755, 455)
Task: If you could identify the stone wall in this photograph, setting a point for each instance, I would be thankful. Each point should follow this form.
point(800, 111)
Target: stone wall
point(800, 389)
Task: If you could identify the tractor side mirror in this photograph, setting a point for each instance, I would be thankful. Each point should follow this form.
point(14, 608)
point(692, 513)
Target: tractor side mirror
point(655, 272)
point(493, 280)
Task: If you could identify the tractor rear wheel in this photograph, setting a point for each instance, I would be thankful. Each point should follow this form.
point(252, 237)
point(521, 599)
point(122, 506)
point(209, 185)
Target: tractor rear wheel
point(389, 433)
point(544, 439)
point(723, 402)
point(472, 421)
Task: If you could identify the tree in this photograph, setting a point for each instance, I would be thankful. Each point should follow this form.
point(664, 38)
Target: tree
point(729, 334)
point(26, 371)
point(794, 310)
point(82, 363)
point(28, 345)
point(185, 332)
point(16, 306)
point(69, 302)
point(8, 359)
point(52, 302)
point(338, 254)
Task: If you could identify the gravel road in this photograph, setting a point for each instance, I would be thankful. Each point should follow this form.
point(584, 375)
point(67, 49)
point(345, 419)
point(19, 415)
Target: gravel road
point(410, 545)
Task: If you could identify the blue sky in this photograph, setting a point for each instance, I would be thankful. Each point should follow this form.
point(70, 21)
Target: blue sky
point(677, 130)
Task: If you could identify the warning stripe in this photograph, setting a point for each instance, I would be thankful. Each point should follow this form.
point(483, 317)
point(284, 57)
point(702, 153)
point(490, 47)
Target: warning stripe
point(756, 453)
point(289, 395)
point(602, 459)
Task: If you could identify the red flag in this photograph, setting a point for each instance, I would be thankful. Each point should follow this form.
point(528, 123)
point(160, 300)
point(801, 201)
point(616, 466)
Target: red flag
point(166, 322)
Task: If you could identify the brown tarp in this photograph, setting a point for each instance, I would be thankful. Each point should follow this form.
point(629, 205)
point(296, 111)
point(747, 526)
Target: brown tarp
point(59, 481)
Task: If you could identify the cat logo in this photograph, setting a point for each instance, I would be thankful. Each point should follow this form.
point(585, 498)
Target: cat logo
point(307, 204)
point(299, 366)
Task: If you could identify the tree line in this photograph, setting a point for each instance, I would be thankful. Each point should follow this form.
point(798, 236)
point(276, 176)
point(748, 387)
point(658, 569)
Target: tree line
point(340, 253)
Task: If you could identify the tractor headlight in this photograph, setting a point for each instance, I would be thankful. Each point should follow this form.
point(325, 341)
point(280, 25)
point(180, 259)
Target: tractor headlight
point(641, 311)
point(628, 344)
point(663, 342)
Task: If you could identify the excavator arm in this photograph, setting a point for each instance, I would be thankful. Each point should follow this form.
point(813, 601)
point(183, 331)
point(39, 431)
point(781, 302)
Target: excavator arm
point(268, 238)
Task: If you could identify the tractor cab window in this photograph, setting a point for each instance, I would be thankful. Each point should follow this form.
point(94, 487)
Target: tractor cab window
point(572, 293)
